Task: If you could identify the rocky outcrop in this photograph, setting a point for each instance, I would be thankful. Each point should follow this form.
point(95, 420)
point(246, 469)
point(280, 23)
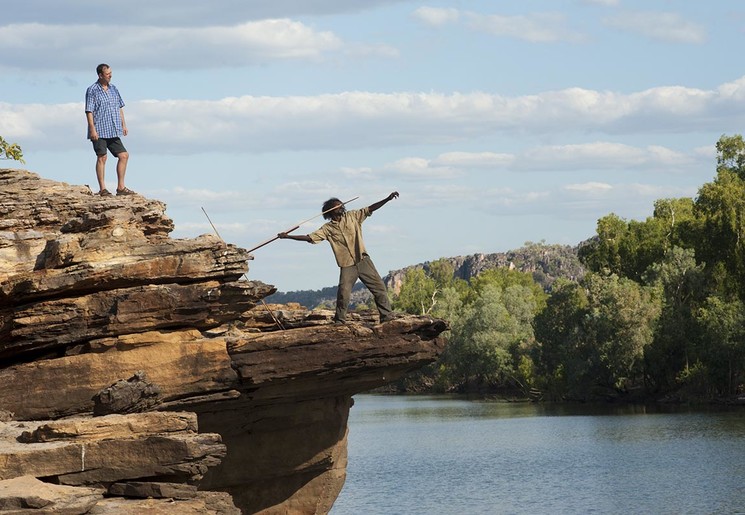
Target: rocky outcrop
point(144, 374)
point(545, 263)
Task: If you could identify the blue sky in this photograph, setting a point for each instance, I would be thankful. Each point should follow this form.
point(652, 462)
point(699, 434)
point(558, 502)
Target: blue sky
point(498, 122)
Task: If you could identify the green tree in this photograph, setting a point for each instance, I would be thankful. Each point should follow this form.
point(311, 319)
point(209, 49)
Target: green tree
point(442, 272)
point(681, 282)
point(628, 249)
point(619, 325)
point(478, 348)
point(418, 293)
point(502, 278)
point(721, 205)
point(449, 304)
point(492, 335)
point(559, 354)
point(723, 344)
point(679, 225)
point(731, 154)
point(602, 254)
point(421, 289)
point(10, 151)
point(591, 336)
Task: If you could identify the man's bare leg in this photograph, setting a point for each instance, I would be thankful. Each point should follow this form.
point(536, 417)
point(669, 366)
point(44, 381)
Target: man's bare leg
point(121, 169)
point(101, 171)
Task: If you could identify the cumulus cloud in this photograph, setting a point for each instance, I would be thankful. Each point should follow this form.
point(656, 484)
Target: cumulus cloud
point(594, 157)
point(589, 187)
point(669, 27)
point(369, 120)
point(603, 156)
point(436, 16)
point(417, 167)
point(27, 45)
point(534, 27)
point(629, 200)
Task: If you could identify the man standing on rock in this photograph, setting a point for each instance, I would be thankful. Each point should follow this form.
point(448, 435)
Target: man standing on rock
point(344, 234)
point(103, 110)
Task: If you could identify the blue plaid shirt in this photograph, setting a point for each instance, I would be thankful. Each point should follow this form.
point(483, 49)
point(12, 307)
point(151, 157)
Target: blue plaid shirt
point(105, 107)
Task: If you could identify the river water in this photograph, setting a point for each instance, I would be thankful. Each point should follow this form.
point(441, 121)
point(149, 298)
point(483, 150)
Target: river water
point(443, 455)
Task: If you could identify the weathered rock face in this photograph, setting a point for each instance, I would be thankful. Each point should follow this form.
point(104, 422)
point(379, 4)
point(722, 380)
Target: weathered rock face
point(545, 263)
point(101, 310)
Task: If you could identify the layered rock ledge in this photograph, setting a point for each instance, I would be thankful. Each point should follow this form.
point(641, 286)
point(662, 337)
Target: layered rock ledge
point(230, 405)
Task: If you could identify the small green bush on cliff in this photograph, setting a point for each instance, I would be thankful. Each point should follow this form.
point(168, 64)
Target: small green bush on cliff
point(10, 151)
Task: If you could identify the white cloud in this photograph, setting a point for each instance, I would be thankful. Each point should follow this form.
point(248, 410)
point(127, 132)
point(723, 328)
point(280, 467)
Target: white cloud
point(661, 26)
point(365, 173)
point(360, 119)
point(475, 159)
point(417, 167)
point(589, 187)
point(535, 28)
point(707, 152)
point(597, 156)
point(628, 200)
point(27, 45)
point(603, 155)
point(436, 16)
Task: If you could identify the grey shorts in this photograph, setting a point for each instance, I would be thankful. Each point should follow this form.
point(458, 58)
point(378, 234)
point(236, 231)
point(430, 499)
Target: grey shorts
point(114, 145)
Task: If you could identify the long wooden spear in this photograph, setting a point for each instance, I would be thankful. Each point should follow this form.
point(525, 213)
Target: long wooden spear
point(267, 242)
point(263, 302)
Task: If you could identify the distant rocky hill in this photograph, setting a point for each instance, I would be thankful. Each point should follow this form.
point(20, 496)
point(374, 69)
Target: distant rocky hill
point(546, 262)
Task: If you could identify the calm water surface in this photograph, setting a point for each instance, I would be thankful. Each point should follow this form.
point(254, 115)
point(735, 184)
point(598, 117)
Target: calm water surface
point(434, 455)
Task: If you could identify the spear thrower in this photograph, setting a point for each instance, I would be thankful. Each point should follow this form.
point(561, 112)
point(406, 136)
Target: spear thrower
point(267, 242)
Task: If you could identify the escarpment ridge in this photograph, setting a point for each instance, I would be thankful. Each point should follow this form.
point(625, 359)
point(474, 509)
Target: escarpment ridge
point(205, 399)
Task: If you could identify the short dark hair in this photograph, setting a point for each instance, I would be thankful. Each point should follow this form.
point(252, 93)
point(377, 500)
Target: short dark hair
point(101, 67)
point(328, 205)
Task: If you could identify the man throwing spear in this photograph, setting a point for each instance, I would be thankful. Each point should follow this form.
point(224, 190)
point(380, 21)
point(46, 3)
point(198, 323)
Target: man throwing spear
point(344, 234)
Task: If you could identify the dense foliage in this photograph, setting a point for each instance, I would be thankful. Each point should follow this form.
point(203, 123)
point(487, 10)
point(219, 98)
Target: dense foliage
point(660, 313)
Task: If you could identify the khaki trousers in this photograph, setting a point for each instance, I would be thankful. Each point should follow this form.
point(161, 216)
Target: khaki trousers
point(366, 272)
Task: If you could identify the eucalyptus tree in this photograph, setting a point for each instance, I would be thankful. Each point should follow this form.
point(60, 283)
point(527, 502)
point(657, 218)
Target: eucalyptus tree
point(721, 206)
point(489, 337)
point(722, 350)
point(681, 282)
point(417, 294)
point(592, 336)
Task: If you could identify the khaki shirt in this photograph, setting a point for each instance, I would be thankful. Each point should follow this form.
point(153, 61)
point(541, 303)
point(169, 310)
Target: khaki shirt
point(345, 237)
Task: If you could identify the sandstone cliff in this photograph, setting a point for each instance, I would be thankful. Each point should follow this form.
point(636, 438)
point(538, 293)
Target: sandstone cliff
point(544, 262)
point(145, 374)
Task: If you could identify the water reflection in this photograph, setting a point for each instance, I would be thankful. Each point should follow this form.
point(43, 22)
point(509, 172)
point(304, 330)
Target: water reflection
point(454, 455)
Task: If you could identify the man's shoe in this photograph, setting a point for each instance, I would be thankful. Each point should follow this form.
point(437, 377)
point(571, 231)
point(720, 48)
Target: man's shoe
point(125, 191)
point(104, 193)
point(391, 316)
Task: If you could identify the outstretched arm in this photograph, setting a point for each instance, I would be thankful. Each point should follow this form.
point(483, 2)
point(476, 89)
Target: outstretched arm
point(298, 237)
point(381, 203)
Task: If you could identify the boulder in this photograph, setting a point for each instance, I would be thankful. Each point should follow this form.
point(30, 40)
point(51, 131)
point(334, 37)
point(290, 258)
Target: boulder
point(26, 494)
